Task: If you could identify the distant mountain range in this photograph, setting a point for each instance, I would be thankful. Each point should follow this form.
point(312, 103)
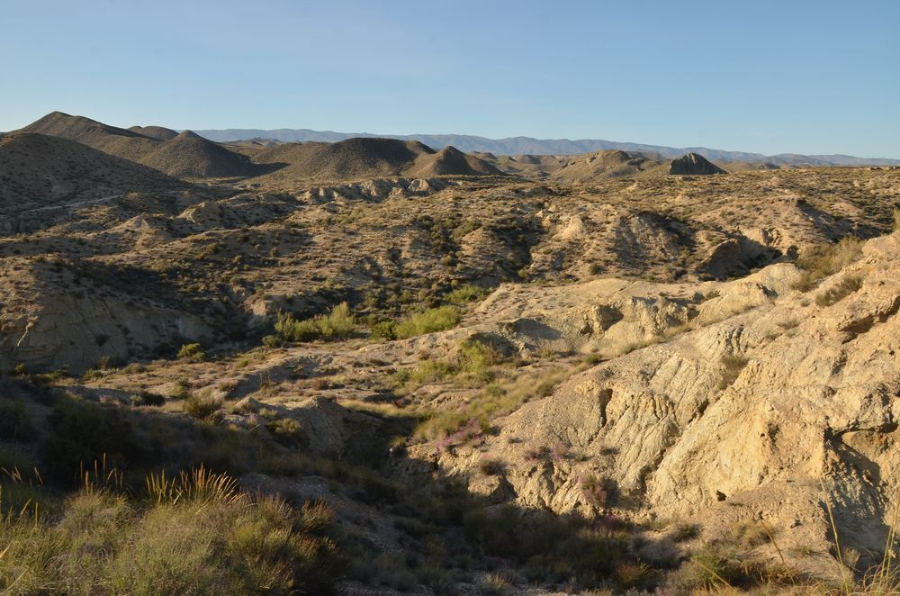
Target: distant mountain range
point(531, 146)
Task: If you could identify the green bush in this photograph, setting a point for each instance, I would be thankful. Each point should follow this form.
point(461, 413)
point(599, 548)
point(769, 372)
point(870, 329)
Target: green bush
point(429, 321)
point(338, 324)
point(466, 294)
point(386, 330)
point(191, 353)
point(201, 407)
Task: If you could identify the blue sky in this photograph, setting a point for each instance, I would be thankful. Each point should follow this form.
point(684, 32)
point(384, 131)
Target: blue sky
point(766, 76)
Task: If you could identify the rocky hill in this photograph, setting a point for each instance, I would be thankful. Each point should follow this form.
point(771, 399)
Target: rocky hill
point(693, 165)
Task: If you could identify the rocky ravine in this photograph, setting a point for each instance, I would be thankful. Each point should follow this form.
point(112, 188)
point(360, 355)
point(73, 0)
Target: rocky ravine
point(758, 416)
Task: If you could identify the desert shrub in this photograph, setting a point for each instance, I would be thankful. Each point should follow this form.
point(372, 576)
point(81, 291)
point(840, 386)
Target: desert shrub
point(191, 353)
point(385, 330)
point(822, 261)
point(467, 294)
point(339, 323)
point(181, 389)
point(15, 423)
point(476, 357)
point(598, 492)
point(428, 321)
point(848, 285)
point(491, 467)
point(201, 407)
point(273, 341)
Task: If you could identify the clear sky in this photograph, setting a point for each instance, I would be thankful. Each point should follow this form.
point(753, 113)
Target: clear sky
point(767, 76)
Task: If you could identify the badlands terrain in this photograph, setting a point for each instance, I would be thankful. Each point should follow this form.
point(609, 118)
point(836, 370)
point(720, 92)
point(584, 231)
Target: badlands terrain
point(437, 372)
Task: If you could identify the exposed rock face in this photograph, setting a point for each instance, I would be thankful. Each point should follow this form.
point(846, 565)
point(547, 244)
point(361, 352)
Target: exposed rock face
point(787, 394)
point(693, 165)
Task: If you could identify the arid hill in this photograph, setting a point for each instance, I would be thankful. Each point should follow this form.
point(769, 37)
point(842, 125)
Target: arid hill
point(603, 164)
point(190, 156)
point(184, 155)
point(38, 171)
point(362, 158)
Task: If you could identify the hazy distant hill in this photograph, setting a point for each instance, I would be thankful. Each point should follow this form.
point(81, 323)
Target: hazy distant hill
point(359, 158)
point(531, 146)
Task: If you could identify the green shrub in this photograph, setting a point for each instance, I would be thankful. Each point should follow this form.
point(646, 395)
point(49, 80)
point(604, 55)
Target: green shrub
point(476, 357)
point(191, 353)
point(201, 407)
point(429, 321)
point(338, 324)
point(386, 330)
point(467, 294)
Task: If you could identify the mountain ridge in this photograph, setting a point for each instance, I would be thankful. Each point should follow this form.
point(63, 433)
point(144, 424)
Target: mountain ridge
point(522, 145)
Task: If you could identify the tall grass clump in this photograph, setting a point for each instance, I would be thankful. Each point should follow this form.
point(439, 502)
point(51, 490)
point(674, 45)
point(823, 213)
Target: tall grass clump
point(201, 534)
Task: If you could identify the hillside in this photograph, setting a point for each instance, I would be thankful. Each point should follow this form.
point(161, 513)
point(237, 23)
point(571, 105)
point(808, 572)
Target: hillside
point(38, 171)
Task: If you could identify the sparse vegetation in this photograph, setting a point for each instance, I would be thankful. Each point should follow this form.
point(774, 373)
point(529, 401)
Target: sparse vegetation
point(822, 261)
point(428, 321)
point(846, 286)
point(338, 324)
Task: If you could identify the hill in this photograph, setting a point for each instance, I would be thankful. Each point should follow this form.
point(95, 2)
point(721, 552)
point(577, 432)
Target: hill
point(603, 164)
point(184, 155)
point(360, 158)
point(188, 155)
point(450, 161)
point(109, 139)
point(693, 165)
point(39, 171)
point(155, 132)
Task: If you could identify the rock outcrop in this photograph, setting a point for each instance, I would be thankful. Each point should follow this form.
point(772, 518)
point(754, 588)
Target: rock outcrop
point(693, 164)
